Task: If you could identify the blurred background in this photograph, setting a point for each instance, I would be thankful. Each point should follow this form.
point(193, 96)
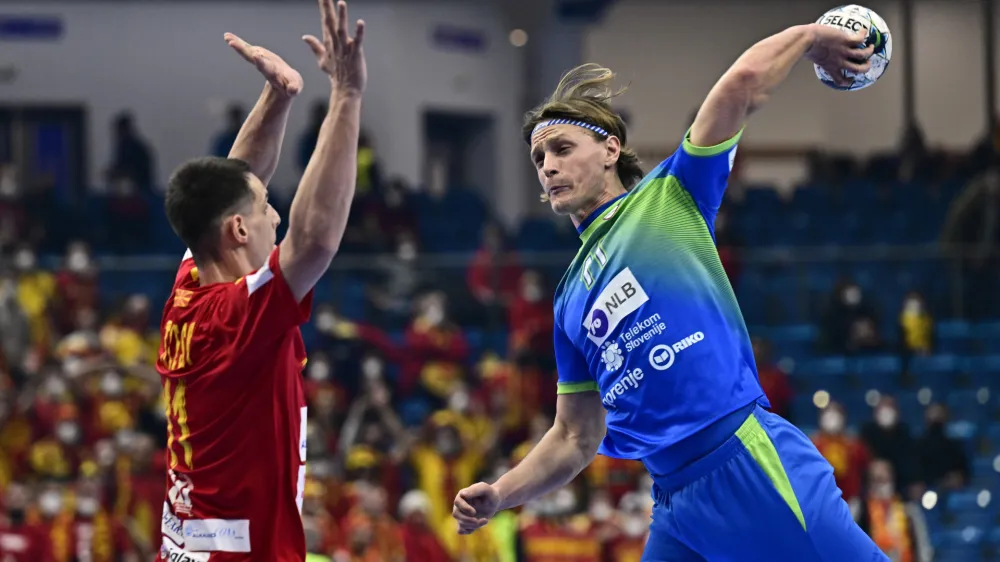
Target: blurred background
point(861, 233)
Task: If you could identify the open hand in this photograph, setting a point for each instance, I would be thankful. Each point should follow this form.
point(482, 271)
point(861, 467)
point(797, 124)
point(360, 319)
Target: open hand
point(339, 55)
point(474, 506)
point(283, 78)
point(836, 52)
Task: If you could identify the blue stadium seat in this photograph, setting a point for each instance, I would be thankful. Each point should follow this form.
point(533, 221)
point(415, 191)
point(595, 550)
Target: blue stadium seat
point(910, 409)
point(953, 336)
point(984, 371)
point(935, 364)
point(958, 541)
point(834, 365)
point(969, 405)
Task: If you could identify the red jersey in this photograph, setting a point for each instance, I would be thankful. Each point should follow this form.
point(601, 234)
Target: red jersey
point(230, 361)
point(23, 543)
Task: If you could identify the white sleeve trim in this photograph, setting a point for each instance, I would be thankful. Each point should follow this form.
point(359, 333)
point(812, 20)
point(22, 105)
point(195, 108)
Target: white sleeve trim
point(187, 255)
point(259, 279)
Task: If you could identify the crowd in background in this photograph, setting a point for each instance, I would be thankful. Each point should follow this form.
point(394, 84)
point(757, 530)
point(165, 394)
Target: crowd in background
point(405, 406)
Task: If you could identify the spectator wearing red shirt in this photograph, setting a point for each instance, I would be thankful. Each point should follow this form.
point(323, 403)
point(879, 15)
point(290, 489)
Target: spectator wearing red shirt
point(530, 317)
point(419, 541)
point(846, 453)
point(494, 274)
point(76, 287)
point(773, 380)
point(436, 350)
point(19, 540)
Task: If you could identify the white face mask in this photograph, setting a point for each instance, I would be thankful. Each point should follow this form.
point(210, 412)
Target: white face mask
point(104, 452)
point(883, 490)
point(601, 511)
point(913, 306)
point(564, 502)
point(886, 417)
point(434, 315)
point(87, 506)
point(533, 293)
point(371, 368)
point(407, 251)
point(24, 260)
point(68, 433)
point(634, 526)
point(55, 386)
point(50, 503)
point(78, 261)
point(831, 422)
point(111, 384)
point(319, 371)
point(459, 402)
point(124, 439)
point(852, 296)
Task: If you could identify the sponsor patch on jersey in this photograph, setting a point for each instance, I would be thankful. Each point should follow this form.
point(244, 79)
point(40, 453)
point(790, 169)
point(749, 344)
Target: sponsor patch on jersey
point(662, 356)
point(170, 525)
point(170, 552)
point(217, 535)
point(622, 296)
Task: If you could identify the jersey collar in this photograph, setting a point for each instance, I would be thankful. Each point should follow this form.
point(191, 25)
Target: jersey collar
point(585, 227)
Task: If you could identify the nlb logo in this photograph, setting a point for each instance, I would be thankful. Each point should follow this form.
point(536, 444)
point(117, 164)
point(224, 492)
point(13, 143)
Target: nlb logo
point(622, 296)
point(661, 357)
point(629, 381)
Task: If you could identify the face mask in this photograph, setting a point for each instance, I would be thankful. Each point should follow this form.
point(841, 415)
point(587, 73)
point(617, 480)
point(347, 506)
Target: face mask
point(633, 526)
point(886, 417)
point(25, 260)
point(371, 368)
point(832, 422)
point(565, 502)
point(8, 290)
point(78, 261)
point(325, 322)
point(111, 385)
point(124, 439)
point(87, 506)
point(913, 306)
point(882, 490)
point(407, 252)
point(459, 402)
point(104, 451)
point(50, 503)
point(319, 371)
point(446, 443)
point(55, 386)
point(68, 433)
point(600, 511)
point(8, 183)
point(434, 315)
point(532, 293)
point(852, 296)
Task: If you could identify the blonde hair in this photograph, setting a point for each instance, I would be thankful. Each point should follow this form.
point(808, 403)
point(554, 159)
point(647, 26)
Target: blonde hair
point(583, 94)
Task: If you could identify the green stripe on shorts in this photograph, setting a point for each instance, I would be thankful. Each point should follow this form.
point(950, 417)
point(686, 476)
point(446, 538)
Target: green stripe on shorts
point(756, 440)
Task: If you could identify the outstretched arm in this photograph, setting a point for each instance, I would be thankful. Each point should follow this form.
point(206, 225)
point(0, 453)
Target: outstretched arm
point(565, 450)
point(749, 82)
point(259, 140)
point(323, 200)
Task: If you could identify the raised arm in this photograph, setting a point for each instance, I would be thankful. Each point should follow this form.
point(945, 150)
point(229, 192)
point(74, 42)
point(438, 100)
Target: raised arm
point(750, 80)
point(565, 450)
point(321, 204)
point(259, 140)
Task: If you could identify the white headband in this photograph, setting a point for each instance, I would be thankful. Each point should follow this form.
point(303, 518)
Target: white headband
point(583, 124)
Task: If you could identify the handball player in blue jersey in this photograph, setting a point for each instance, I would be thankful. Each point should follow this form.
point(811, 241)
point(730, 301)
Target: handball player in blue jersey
point(654, 358)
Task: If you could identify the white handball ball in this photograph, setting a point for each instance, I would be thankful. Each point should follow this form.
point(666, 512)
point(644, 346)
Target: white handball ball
point(853, 18)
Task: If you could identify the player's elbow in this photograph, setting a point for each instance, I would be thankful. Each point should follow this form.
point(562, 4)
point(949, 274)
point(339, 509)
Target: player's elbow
point(314, 244)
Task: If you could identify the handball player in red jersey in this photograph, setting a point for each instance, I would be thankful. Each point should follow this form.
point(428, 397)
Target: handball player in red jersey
point(231, 354)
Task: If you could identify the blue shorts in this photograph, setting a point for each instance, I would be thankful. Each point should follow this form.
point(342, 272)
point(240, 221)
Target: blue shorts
point(765, 495)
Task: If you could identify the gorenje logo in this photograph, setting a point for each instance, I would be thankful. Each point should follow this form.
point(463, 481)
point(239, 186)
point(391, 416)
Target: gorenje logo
point(662, 357)
point(622, 296)
point(628, 381)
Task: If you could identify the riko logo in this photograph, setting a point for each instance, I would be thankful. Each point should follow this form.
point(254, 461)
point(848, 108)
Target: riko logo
point(622, 296)
point(662, 356)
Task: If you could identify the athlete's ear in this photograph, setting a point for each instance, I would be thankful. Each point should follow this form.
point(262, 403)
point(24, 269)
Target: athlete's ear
point(238, 229)
point(613, 148)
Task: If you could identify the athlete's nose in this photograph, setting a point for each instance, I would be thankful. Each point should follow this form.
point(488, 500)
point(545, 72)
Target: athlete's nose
point(549, 166)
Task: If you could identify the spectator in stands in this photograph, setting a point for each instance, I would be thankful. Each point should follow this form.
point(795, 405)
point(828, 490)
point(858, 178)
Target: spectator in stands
point(728, 244)
point(889, 438)
point(36, 291)
point(23, 542)
point(943, 462)
point(369, 170)
point(436, 352)
point(132, 161)
point(419, 541)
point(224, 139)
point(634, 511)
point(898, 527)
point(127, 336)
point(972, 229)
point(845, 452)
point(548, 530)
point(77, 287)
point(530, 320)
point(494, 272)
point(850, 323)
point(773, 380)
point(15, 333)
point(13, 215)
point(91, 533)
point(916, 326)
point(395, 281)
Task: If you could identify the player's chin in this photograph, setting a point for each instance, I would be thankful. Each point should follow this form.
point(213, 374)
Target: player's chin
point(562, 203)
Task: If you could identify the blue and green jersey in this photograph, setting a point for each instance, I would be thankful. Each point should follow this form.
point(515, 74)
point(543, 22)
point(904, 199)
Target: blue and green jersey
point(645, 314)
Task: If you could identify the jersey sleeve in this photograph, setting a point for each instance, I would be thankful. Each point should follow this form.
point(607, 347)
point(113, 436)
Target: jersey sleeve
point(574, 373)
point(262, 304)
point(703, 172)
point(187, 271)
